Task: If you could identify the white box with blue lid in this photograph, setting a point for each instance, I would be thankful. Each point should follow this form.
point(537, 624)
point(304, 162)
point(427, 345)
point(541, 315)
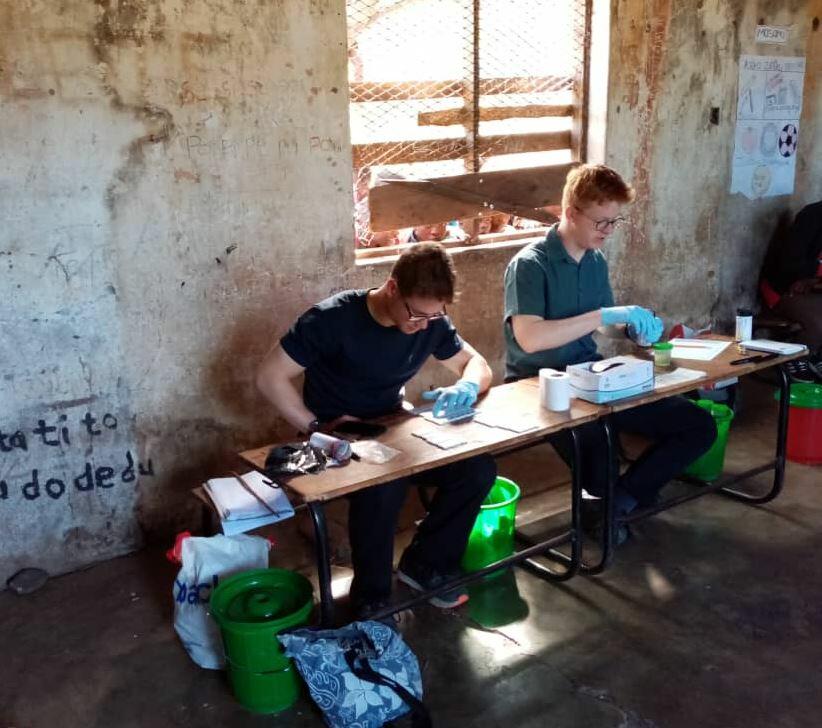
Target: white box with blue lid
point(611, 379)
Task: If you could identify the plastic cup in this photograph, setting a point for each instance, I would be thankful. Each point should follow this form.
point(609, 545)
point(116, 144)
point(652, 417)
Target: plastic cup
point(662, 354)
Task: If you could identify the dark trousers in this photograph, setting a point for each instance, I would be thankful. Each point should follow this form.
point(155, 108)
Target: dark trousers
point(441, 538)
point(679, 430)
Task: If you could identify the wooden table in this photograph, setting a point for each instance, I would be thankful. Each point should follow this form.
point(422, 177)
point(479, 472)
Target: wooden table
point(517, 399)
point(521, 400)
point(716, 370)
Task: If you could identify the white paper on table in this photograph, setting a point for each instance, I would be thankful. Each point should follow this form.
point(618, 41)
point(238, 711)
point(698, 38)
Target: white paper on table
point(429, 416)
point(513, 424)
point(680, 375)
point(443, 439)
point(698, 349)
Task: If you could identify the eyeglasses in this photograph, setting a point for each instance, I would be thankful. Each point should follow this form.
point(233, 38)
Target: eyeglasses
point(414, 317)
point(602, 225)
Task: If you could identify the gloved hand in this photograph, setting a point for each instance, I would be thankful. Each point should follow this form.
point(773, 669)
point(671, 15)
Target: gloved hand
point(641, 320)
point(453, 399)
point(650, 337)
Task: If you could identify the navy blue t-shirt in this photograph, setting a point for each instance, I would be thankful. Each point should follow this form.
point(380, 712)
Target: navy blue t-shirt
point(355, 366)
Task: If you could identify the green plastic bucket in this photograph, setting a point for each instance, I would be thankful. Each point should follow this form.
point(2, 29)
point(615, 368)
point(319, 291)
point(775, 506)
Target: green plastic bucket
point(492, 537)
point(709, 466)
point(251, 608)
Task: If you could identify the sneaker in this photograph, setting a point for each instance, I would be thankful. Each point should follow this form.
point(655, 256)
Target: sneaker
point(593, 522)
point(799, 370)
point(422, 577)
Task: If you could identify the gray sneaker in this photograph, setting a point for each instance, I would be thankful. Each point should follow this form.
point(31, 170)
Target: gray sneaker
point(422, 577)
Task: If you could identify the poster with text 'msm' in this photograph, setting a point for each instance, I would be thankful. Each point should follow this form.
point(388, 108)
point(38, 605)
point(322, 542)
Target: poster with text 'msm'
point(767, 125)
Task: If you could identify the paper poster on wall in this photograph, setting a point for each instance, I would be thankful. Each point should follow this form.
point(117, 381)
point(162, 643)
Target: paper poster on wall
point(767, 125)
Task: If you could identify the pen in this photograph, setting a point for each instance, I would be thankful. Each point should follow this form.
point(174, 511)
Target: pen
point(751, 359)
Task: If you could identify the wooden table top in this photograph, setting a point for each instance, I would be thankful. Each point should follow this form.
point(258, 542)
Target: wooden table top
point(517, 399)
point(715, 370)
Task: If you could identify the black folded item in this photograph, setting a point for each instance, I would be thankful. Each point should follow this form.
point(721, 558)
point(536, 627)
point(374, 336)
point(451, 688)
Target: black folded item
point(296, 458)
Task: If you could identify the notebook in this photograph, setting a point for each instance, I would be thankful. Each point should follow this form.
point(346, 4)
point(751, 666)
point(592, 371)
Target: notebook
point(239, 510)
point(776, 347)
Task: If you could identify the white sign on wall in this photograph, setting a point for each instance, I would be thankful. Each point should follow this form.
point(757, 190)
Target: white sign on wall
point(767, 125)
point(771, 34)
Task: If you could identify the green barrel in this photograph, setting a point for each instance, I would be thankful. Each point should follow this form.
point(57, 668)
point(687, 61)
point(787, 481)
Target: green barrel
point(492, 537)
point(251, 608)
point(709, 466)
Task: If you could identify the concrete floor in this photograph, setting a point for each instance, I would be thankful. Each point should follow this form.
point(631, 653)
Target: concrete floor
point(710, 617)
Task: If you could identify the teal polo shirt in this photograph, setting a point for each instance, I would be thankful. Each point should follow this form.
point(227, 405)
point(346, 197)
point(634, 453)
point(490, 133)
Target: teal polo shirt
point(543, 280)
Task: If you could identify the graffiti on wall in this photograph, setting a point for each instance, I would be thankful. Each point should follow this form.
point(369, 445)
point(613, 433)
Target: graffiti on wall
point(63, 433)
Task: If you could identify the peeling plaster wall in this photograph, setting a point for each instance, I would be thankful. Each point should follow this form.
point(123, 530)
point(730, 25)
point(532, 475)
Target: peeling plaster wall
point(175, 189)
point(693, 250)
point(175, 182)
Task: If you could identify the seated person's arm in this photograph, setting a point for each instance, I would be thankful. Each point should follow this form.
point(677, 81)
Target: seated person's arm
point(474, 377)
point(469, 365)
point(534, 333)
point(275, 379)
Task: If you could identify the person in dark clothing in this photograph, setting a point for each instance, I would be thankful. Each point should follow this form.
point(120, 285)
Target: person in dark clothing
point(357, 350)
point(557, 293)
point(791, 282)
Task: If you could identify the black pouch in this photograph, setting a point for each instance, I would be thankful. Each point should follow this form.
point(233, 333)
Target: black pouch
point(296, 458)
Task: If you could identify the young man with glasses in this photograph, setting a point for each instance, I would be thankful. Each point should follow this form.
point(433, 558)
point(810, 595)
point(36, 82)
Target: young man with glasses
point(557, 293)
point(357, 349)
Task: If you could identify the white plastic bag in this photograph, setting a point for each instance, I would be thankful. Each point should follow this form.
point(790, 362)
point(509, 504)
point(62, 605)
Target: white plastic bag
point(206, 561)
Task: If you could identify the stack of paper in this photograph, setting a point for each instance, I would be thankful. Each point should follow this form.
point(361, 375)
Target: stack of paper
point(775, 347)
point(247, 502)
point(698, 349)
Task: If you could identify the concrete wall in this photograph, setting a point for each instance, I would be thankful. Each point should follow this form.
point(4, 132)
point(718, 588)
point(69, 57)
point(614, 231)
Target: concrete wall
point(693, 249)
point(175, 189)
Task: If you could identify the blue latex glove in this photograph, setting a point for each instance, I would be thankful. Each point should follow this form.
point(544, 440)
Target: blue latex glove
point(649, 337)
point(641, 320)
point(454, 399)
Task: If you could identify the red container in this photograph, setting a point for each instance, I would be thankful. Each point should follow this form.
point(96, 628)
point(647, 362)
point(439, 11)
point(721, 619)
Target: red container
point(805, 424)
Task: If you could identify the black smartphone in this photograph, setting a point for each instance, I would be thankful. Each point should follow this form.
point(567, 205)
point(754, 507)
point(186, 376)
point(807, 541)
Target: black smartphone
point(361, 429)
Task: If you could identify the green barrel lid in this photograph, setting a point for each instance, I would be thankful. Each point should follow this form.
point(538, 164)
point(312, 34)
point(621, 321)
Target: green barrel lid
point(805, 395)
point(260, 597)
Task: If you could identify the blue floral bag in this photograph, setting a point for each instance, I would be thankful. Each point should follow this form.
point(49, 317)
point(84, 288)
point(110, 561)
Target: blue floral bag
point(361, 676)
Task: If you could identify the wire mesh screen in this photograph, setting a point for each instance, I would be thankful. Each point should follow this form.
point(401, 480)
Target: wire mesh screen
point(446, 87)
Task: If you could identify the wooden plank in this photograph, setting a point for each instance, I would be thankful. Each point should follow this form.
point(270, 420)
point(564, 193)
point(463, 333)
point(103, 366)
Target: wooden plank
point(385, 251)
point(451, 117)
point(548, 141)
point(435, 150)
point(399, 204)
point(364, 91)
point(425, 150)
point(520, 399)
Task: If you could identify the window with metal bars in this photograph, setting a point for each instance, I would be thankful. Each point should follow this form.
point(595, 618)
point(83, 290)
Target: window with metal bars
point(445, 88)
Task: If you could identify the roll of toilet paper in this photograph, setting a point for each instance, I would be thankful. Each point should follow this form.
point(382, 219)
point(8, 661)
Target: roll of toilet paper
point(554, 390)
point(338, 449)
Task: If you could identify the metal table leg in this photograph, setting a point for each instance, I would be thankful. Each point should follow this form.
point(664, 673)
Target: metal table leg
point(572, 562)
point(317, 510)
point(609, 516)
point(779, 461)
